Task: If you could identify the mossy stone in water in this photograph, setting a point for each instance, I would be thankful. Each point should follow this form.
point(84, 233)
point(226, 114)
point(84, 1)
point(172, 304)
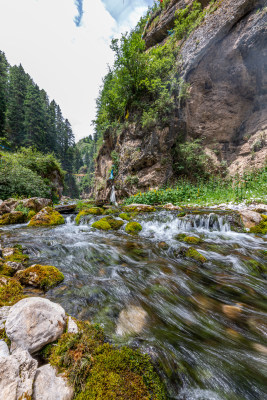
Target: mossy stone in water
point(125, 216)
point(261, 228)
point(133, 228)
point(193, 253)
point(16, 255)
point(188, 239)
point(114, 223)
point(95, 211)
point(102, 224)
point(10, 291)
point(99, 371)
point(110, 211)
point(15, 217)
point(47, 217)
point(42, 276)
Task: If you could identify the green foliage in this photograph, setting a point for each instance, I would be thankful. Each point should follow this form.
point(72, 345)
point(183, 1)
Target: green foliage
point(27, 173)
point(99, 371)
point(214, 190)
point(116, 161)
point(132, 180)
point(191, 159)
point(187, 19)
point(25, 210)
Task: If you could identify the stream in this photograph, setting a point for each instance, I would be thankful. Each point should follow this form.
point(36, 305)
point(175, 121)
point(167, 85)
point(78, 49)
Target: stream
point(205, 325)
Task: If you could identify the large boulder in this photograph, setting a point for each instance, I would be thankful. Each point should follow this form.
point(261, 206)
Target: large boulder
point(4, 311)
point(36, 203)
point(14, 217)
point(49, 386)
point(47, 217)
point(34, 322)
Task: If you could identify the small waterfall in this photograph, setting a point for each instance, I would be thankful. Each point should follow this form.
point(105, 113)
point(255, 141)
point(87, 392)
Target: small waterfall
point(113, 196)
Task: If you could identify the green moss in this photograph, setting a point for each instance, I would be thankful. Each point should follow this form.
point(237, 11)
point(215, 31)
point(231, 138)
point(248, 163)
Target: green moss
point(99, 371)
point(81, 214)
point(5, 269)
point(261, 228)
point(111, 211)
point(95, 211)
point(45, 276)
point(10, 291)
point(47, 217)
point(256, 268)
point(181, 214)
point(12, 218)
point(31, 214)
point(114, 223)
point(18, 256)
point(125, 216)
point(3, 336)
point(102, 224)
point(193, 253)
point(143, 208)
point(133, 228)
point(188, 239)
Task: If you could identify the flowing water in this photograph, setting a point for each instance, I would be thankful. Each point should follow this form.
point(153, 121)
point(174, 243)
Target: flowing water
point(206, 325)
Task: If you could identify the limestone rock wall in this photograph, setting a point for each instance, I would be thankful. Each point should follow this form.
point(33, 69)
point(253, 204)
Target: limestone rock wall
point(225, 62)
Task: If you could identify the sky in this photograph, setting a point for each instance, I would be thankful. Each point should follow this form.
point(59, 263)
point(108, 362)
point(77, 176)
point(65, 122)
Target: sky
point(64, 46)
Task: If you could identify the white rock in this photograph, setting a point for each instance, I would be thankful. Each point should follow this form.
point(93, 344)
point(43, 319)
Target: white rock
point(72, 326)
point(131, 320)
point(34, 322)
point(27, 370)
point(49, 386)
point(9, 372)
point(4, 351)
point(4, 311)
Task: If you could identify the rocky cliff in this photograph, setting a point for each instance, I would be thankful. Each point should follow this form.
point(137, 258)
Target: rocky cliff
point(223, 62)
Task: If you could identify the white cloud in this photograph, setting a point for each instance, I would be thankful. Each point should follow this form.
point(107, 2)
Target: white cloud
point(68, 62)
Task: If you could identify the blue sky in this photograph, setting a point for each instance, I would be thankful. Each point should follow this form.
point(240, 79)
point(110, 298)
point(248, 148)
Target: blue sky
point(64, 46)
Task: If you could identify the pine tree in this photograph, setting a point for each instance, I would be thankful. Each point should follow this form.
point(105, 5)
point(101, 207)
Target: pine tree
point(3, 91)
point(15, 115)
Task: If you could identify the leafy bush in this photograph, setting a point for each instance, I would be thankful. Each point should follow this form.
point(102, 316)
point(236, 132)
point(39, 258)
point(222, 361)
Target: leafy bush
point(27, 173)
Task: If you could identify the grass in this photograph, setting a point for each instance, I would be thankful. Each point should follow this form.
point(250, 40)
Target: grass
point(252, 185)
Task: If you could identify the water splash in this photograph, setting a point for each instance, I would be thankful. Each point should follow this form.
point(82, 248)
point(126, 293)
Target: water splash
point(113, 196)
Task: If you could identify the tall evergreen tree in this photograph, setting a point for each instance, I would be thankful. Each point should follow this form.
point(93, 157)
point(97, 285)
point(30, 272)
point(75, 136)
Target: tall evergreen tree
point(3, 91)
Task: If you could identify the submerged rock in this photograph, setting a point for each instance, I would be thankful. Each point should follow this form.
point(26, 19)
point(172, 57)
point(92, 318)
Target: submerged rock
point(49, 386)
point(131, 320)
point(34, 322)
point(42, 276)
point(47, 217)
point(193, 253)
point(232, 311)
point(133, 228)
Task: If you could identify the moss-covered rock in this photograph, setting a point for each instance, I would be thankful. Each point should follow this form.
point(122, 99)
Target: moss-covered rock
point(31, 214)
point(15, 254)
point(125, 216)
point(108, 223)
point(181, 214)
point(111, 211)
point(99, 371)
point(188, 239)
point(139, 208)
point(5, 269)
point(261, 228)
point(95, 211)
point(47, 217)
point(10, 291)
point(102, 224)
point(42, 276)
point(14, 217)
point(193, 253)
point(133, 228)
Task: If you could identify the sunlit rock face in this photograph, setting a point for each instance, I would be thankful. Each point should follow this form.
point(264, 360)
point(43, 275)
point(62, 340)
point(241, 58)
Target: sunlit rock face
point(224, 61)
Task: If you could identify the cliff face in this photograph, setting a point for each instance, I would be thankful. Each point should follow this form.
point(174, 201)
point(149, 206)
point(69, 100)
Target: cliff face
point(225, 62)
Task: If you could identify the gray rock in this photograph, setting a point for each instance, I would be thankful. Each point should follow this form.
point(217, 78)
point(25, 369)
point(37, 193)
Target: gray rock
point(49, 386)
point(9, 372)
point(16, 266)
point(250, 218)
point(27, 370)
point(72, 326)
point(4, 350)
point(3, 315)
point(34, 322)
